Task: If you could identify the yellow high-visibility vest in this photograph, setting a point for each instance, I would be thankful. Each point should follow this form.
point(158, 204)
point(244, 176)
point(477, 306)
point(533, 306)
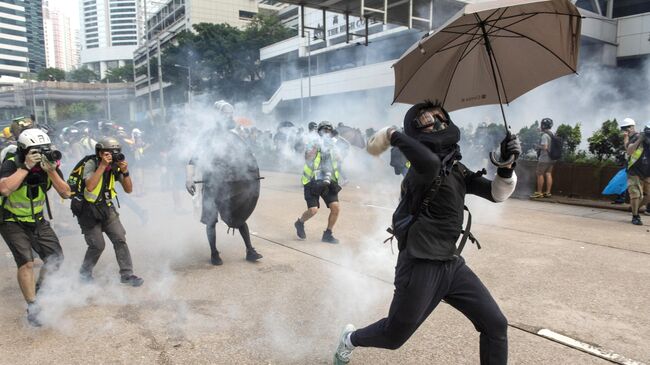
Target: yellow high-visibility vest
point(92, 196)
point(20, 205)
point(309, 170)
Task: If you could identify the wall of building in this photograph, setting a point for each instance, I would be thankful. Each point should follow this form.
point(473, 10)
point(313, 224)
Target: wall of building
point(35, 34)
point(634, 35)
point(109, 32)
point(60, 39)
point(234, 12)
point(13, 40)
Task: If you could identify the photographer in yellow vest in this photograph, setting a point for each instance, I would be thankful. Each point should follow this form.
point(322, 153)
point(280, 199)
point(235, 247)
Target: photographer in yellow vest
point(24, 181)
point(98, 214)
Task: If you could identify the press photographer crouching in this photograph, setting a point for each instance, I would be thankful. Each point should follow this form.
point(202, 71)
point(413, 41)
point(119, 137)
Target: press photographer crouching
point(25, 179)
point(97, 214)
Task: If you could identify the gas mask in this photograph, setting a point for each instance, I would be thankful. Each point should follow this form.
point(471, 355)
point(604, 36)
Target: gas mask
point(444, 135)
point(427, 119)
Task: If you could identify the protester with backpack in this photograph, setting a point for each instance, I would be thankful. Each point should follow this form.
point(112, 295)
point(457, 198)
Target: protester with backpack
point(94, 179)
point(24, 181)
point(549, 150)
point(427, 224)
point(638, 170)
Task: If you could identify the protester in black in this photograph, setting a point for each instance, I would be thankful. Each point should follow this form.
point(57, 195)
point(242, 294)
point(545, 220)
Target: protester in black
point(427, 224)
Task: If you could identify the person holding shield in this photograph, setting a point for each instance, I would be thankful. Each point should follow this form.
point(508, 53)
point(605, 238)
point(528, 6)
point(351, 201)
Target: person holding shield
point(230, 181)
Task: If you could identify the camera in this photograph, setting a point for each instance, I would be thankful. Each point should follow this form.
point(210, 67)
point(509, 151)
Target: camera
point(50, 154)
point(327, 178)
point(118, 156)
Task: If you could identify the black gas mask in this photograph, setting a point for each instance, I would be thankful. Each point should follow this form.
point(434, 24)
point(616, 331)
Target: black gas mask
point(427, 118)
point(439, 134)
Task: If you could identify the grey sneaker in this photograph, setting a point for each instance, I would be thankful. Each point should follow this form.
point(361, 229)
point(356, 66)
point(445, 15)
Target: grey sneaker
point(300, 229)
point(33, 311)
point(131, 280)
point(343, 352)
point(329, 237)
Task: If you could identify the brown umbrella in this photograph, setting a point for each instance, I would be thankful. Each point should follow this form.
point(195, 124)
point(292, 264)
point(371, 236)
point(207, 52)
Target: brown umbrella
point(491, 52)
point(352, 135)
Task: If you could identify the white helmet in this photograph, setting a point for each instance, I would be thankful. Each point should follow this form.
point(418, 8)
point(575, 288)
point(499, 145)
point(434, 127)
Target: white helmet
point(33, 137)
point(224, 107)
point(136, 133)
point(627, 122)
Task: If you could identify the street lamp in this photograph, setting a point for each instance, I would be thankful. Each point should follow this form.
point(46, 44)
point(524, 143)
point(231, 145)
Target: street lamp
point(108, 100)
point(189, 82)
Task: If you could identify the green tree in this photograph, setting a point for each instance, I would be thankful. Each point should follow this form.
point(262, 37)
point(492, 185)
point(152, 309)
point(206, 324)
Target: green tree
point(51, 74)
point(529, 137)
point(78, 111)
point(224, 60)
point(120, 74)
point(82, 75)
point(572, 136)
point(607, 142)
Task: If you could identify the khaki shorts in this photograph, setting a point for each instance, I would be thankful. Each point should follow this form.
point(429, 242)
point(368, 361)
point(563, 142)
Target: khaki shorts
point(638, 186)
point(544, 168)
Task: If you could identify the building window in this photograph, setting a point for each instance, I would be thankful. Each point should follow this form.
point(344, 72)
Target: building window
point(13, 22)
point(122, 32)
point(630, 7)
point(123, 38)
point(125, 10)
point(117, 16)
point(13, 32)
point(11, 52)
point(243, 14)
point(13, 63)
point(13, 42)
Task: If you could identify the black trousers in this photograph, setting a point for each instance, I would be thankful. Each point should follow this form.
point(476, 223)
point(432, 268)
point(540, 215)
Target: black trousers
point(419, 286)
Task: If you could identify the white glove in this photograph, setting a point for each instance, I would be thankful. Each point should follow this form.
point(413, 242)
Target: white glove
point(379, 142)
point(32, 159)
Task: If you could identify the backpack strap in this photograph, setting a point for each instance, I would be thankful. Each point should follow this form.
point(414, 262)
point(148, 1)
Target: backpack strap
point(467, 234)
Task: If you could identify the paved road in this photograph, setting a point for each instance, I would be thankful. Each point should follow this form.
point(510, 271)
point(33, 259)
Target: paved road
point(581, 272)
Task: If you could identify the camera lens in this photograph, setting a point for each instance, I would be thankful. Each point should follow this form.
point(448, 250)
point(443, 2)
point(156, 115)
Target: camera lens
point(118, 157)
point(53, 155)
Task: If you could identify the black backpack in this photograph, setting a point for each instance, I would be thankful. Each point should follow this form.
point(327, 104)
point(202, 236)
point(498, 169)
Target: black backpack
point(555, 149)
point(77, 185)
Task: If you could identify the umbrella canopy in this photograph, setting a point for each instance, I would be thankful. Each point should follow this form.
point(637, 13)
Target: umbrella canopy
point(491, 52)
point(352, 135)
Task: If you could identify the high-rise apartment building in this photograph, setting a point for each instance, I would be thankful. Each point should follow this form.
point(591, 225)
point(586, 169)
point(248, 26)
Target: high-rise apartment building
point(60, 39)
point(13, 41)
point(109, 33)
point(35, 34)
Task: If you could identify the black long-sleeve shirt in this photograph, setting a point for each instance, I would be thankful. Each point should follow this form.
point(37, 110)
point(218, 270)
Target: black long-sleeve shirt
point(434, 233)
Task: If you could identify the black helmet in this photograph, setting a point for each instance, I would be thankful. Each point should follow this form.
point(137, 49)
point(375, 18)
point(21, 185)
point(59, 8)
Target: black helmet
point(20, 124)
point(108, 144)
point(325, 125)
point(646, 130)
point(312, 126)
point(547, 123)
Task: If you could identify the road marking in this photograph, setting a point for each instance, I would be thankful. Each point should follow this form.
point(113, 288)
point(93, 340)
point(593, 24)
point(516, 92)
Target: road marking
point(377, 206)
point(544, 333)
point(586, 347)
